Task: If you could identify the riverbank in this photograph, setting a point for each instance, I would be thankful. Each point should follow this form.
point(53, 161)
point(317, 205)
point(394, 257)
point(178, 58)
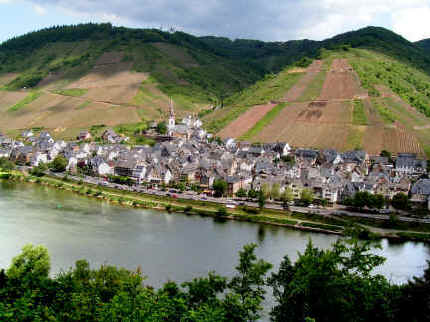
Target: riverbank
point(305, 222)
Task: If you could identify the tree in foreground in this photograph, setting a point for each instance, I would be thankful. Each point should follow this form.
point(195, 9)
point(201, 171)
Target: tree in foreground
point(333, 285)
point(27, 293)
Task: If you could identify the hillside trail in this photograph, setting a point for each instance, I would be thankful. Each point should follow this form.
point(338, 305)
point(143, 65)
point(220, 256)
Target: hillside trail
point(83, 99)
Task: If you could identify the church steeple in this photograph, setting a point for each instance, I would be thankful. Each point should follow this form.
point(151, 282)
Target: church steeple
point(171, 124)
point(171, 107)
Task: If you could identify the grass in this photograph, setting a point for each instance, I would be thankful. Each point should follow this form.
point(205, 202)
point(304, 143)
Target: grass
point(358, 114)
point(414, 236)
point(322, 226)
point(27, 100)
point(384, 112)
point(354, 141)
point(75, 92)
point(313, 90)
point(83, 105)
point(271, 88)
point(265, 120)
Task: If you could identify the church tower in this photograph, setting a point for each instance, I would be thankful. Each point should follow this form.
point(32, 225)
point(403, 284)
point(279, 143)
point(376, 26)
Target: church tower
point(171, 123)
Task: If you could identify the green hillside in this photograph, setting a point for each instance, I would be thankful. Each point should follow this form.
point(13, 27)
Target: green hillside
point(424, 44)
point(70, 77)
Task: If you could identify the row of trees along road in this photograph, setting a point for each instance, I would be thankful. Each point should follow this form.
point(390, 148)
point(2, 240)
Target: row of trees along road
point(336, 284)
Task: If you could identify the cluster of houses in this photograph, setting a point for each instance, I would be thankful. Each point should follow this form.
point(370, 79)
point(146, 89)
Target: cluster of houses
point(192, 156)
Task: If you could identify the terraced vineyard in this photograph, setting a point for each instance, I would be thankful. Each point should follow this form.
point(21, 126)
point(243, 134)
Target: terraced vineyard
point(342, 115)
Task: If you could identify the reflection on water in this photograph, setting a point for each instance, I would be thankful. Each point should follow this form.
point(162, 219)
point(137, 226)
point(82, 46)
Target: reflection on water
point(167, 246)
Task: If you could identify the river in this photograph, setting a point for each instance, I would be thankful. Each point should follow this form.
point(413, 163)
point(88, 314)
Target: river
point(167, 246)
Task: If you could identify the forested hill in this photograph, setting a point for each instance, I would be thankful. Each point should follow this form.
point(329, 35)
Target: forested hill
point(375, 38)
point(424, 44)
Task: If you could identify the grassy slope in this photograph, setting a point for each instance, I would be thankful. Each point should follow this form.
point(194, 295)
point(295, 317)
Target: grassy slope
point(265, 120)
point(273, 87)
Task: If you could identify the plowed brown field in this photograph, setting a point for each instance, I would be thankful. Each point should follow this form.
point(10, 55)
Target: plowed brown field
point(341, 82)
point(303, 126)
point(54, 111)
point(8, 99)
point(111, 80)
point(245, 121)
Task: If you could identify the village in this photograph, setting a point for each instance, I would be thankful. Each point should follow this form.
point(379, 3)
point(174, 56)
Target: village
point(193, 159)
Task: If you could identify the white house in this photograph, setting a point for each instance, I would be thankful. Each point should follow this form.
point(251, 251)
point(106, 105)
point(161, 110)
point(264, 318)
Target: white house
point(38, 158)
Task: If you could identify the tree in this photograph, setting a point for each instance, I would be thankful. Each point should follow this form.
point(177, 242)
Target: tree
point(39, 171)
point(261, 199)
point(361, 199)
point(59, 164)
point(220, 187)
point(288, 159)
point(162, 128)
point(306, 196)
point(287, 196)
point(386, 154)
point(275, 192)
point(181, 186)
point(252, 194)
point(32, 264)
point(343, 275)
point(415, 299)
point(241, 193)
point(377, 201)
point(400, 201)
point(265, 189)
point(248, 286)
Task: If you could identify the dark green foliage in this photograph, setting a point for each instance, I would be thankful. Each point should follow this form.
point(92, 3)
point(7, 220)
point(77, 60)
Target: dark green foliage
point(162, 128)
point(333, 285)
point(262, 197)
point(366, 199)
point(222, 211)
point(252, 194)
point(241, 193)
point(386, 154)
point(220, 188)
point(28, 293)
point(289, 159)
point(400, 201)
point(39, 171)
point(121, 180)
point(414, 304)
point(59, 164)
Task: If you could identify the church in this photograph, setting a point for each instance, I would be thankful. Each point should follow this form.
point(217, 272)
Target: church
point(190, 126)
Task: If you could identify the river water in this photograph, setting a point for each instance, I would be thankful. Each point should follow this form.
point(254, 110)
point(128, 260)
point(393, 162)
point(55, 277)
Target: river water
point(167, 246)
